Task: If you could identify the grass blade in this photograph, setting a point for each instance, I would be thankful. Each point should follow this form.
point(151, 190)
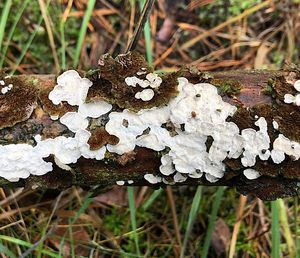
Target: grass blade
point(26, 244)
point(6, 251)
point(192, 216)
point(12, 30)
point(28, 43)
point(4, 16)
point(132, 209)
point(47, 21)
point(212, 220)
point(147, 204)
point(147, 35)
point(82, 32)
point(297, 238)
point(275, 229)
point(286, 228)
point(63, 45)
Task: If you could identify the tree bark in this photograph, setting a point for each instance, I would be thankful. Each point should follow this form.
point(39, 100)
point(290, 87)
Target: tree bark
point(26, 112)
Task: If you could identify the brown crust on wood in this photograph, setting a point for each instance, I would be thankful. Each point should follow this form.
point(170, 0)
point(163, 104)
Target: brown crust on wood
point(18, 103)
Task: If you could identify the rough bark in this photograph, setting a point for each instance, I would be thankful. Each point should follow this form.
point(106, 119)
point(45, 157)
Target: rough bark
point(255, 93)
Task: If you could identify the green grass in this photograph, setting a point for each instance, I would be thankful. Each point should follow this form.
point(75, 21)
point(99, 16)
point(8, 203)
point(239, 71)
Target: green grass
point(147, 35)
point(212, 219)
point(192, 217)
point(148, 203)
point(3, 21)
point(275, 209)
point(28, 43)
point(132, 209)
point(16, 19)
point(82, 32)
point(23, 243)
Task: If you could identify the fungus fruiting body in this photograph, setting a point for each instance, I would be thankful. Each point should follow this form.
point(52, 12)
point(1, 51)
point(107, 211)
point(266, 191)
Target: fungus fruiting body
point(202, 135)
point(293, 99)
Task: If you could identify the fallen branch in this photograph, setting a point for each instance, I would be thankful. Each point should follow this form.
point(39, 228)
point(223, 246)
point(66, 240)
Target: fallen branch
point(256, 101)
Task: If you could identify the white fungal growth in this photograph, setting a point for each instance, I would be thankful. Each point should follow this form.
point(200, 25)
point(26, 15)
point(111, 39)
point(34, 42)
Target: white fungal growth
point(145, 95)
point(210, 178)
point(256, 143)
point(297, 85)
point(2, 83)
point(251, 173)
point(201, 139)
point(154, 79)
point(20, 161)
point(286, 146)
point(94, 109)
point(56, 117)
point(289, 98)
point(203, 113)
point(179, 178)
point(71, 88)
point(120, 182)
point(166, 167)
point(152, 179)
point(74, 121)
point(133, 81)
point(6, 89)
point(275, 125)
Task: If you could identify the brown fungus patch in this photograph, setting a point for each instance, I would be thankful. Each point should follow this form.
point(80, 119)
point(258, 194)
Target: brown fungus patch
point(110, 83)
point(279, 87)
point(48, 106)
point(101, 137)
point(18, 103)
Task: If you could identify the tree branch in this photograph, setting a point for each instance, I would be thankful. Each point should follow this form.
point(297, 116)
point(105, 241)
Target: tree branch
point(26, 111)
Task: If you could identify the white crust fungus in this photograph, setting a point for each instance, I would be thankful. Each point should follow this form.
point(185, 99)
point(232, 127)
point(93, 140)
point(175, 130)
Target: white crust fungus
point(20, 161)
point(145, 95)
point(251, 173)
point(152, 81)
point(6, 89)
point(152, 179)
point(275, 125)
point(286, 146)
point(74, 121)
point(201, 140)
point(71, 88)
point(94, 109)
point(289, 98)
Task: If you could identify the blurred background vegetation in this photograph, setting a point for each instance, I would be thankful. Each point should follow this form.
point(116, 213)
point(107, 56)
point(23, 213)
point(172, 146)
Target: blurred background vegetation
point(49, 36)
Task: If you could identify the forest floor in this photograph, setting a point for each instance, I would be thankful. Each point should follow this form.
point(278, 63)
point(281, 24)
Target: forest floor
point(49, 36)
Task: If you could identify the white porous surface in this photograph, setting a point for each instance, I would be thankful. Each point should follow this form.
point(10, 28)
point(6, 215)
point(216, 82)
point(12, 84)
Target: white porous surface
point(197, 113)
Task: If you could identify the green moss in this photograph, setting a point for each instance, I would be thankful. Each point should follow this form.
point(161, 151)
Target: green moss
point(227, 87)
point(268, 89)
